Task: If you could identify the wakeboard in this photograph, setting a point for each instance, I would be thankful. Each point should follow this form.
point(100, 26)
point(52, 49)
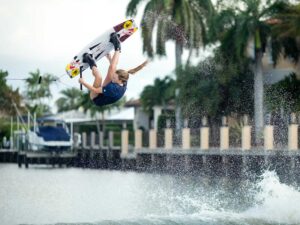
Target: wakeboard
point(100, 46)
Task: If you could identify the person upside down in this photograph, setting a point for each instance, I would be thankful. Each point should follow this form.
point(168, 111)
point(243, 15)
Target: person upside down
point(115, 84)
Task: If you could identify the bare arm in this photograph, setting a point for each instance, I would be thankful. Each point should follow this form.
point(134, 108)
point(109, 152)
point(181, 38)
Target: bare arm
point(108, 56)
point(90, 87)
point(113, 65)
point(112, 68)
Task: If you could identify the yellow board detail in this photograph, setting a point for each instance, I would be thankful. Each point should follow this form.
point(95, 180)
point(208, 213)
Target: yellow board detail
point(73, 68)
point(127, 24)
point(72, 72)
point(75, 72)
point(68, 67)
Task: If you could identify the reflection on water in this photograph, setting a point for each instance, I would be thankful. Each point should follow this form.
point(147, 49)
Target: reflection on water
point(42, 195)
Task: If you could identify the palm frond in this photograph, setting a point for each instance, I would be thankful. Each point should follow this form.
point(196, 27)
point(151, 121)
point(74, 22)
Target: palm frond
point(132, 7)
point(161, 38)
point(149, 20)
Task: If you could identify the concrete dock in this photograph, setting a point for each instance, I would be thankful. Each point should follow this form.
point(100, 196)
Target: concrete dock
point(168, 157)
point(233, 162)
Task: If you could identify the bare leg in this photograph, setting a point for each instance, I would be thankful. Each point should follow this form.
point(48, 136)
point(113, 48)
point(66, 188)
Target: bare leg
point(97, 81)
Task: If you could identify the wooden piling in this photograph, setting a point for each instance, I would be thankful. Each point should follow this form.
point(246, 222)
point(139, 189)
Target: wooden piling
point(124, 142)
point(152, 139)
point(224, 138)
point(246, 137)
point(204, 138)
point(293, 137)
point(138, 139)
point(186, 138)
point(168, 138)
point(224, 134)
point(268, 137)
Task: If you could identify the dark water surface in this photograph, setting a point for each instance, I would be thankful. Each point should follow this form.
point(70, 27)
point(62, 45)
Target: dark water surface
point(43, 195)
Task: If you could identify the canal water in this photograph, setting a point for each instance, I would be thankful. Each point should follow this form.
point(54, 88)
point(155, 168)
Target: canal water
point(45, 195)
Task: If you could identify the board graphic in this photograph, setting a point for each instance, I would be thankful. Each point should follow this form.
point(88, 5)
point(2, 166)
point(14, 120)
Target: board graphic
point(100, 46)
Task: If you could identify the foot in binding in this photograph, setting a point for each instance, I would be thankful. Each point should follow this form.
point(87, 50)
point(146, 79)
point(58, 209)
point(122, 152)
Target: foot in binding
point(114, 39)
point(88, 58)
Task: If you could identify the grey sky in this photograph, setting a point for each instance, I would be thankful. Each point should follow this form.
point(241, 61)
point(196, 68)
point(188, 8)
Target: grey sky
point(45, 34)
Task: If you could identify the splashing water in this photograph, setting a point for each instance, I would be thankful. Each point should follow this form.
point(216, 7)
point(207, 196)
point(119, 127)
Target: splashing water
point(267, 201)
point(276, 201)
point(273, 203)
point(112, 197)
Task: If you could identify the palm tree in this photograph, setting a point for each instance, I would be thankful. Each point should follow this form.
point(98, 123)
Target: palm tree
point(158, 94)
point(87, 105)
point(286, 29)
point(287, 22)
point(38, 91)
point(244, 26)
point(69, 101)
point(8, 97)
point(182, 21)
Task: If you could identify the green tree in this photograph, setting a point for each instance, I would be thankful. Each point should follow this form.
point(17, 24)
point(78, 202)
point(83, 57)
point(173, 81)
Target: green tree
point(284, 95)
point(37, 94)
point(249, 25)
point(9, 99)
point(286, 32)
point(8, 96)
point(69, 101)
point(216, 87)
point(181, 21)
point(162, 91)
point(287, 21)
point(89, 106)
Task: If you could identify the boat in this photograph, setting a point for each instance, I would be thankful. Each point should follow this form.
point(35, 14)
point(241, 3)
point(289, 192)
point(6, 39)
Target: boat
point(50, 134)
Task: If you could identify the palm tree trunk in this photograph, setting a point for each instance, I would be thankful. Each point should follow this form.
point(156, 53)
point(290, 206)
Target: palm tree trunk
point(188, 61)
point(258, 98)
point(178, 54)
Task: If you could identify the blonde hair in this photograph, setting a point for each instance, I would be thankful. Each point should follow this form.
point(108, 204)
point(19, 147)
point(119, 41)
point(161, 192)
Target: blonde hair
point(123, 75)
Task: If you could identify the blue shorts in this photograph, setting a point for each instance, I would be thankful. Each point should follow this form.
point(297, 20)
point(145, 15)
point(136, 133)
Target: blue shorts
point(112, 92)
point(102, 99)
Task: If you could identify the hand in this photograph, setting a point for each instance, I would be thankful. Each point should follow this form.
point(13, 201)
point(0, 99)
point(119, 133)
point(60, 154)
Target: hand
point(114, 39)
point(81, 80)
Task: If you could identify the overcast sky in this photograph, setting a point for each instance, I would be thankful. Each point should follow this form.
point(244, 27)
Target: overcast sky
point(46, 34)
